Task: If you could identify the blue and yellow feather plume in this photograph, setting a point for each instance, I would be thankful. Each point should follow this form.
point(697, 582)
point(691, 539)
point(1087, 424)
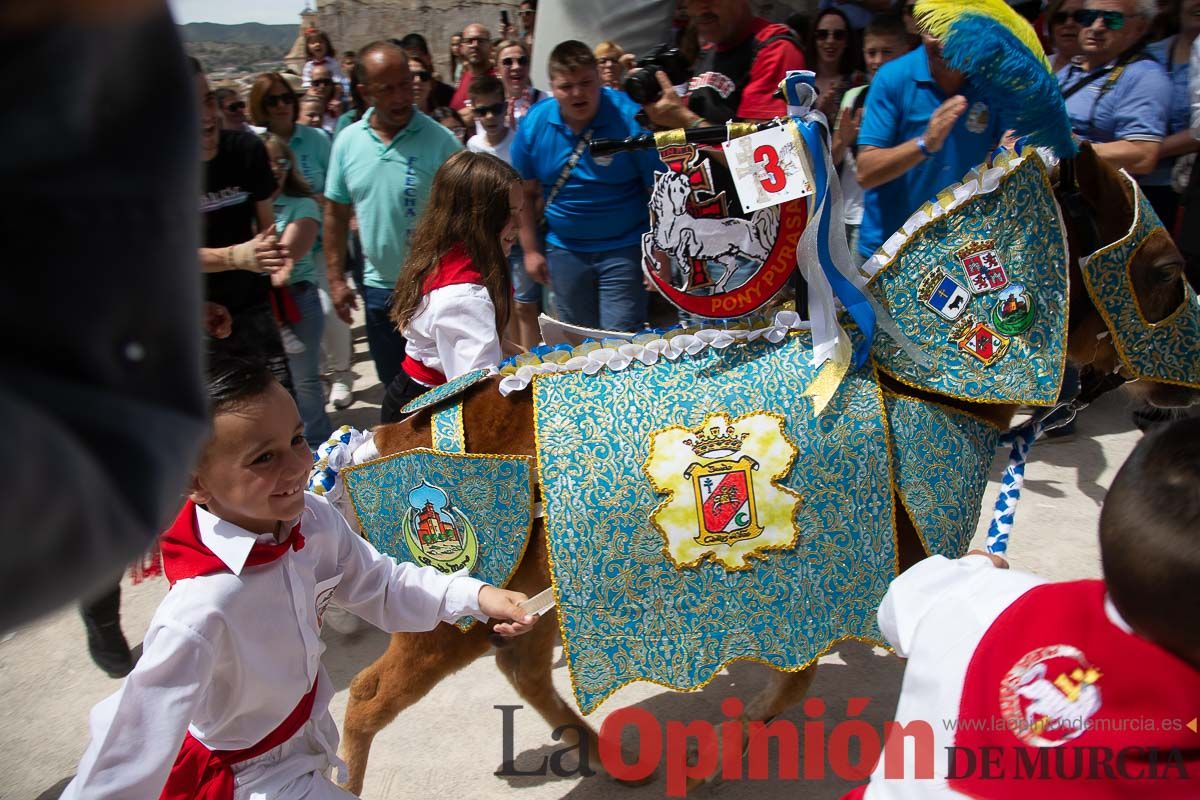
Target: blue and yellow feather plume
point(1000, 53)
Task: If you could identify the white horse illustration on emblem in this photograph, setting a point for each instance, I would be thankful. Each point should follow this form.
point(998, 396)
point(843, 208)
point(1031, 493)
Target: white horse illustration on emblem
point(687, 238)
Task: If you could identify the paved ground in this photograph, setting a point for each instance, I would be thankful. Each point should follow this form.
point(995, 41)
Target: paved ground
point(450, 744)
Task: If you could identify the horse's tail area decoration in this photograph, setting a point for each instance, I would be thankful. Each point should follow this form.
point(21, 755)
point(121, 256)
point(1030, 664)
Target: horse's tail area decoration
point(999, 50)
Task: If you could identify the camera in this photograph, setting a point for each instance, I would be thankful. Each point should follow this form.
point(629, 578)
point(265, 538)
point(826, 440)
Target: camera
point(642, 86)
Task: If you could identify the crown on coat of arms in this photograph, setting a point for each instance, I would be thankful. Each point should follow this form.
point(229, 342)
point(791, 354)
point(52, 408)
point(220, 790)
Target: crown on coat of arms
point(975, 247)
point(962, 327)
point(729, 440)
point(930, 283)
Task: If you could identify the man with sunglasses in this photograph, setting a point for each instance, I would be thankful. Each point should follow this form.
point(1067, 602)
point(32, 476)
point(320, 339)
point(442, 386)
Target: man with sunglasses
point(490, 107)
point(322, 86)
point(381, 171)
point(476, 51)
point(1117, 96)
point(233, 110)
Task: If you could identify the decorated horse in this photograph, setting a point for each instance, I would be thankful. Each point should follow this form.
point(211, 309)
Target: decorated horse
point(696, 498)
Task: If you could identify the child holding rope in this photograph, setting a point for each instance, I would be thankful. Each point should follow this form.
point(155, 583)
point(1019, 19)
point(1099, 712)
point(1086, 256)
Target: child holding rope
point(229, 699)
point(455, 294)
point(1036, 689)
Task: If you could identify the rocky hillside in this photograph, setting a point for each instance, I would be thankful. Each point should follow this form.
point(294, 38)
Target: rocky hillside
point(248, 47)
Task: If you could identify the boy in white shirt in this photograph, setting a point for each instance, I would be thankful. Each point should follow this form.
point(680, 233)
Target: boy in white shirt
point(1020, 688)
point(231, 662)
point(487, 100)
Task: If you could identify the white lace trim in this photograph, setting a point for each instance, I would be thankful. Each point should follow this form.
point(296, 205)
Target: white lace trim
point(980, 180)
point(671, 347)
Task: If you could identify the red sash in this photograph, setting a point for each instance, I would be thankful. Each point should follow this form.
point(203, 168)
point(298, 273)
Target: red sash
point(202, 774)
point(185, 556)
point(199, 773)
point(454, 268)
point(1060, 702)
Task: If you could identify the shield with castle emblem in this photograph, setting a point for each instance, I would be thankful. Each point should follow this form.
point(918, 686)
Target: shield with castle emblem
point(985, 272)
point(725, 500)
point(436, 532)
point(724, 494)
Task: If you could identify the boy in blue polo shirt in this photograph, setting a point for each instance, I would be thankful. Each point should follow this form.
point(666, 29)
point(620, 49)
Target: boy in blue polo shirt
point(596, 210)
point(924, 126)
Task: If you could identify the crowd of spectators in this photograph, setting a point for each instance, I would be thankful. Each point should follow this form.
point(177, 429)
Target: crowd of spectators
point(366, 131)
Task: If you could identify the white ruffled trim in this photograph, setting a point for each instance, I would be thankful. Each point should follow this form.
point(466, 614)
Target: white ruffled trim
point(621, 356)
point(975, 183)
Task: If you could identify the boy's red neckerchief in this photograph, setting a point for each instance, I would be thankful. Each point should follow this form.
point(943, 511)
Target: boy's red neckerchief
point(184, 555)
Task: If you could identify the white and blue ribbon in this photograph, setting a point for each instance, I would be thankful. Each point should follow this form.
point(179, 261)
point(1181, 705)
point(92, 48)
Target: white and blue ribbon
point(835, 274)
point(833, 259)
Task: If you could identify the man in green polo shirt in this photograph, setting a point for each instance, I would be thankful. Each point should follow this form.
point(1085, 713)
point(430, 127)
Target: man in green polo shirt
point(381, 169)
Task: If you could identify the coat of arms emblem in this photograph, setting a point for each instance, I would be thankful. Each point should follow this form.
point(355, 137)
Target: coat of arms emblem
point(437, 533)
point(979, 340)
point(1049, 695)
point(944, 295)
point(985, 272)
point(724, 501)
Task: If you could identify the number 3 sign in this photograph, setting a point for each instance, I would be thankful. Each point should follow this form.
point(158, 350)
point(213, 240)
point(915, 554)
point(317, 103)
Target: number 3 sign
point(767, 168)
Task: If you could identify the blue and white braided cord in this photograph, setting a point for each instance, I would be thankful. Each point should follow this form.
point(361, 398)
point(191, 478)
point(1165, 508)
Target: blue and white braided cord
point(1022, 438)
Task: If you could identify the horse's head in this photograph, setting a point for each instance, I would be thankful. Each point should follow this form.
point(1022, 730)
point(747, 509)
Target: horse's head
point(677, 190)
point(1131, 308)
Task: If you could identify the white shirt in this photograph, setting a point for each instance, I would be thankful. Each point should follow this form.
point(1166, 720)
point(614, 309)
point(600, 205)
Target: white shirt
point(454, 330)
point(228, 655)
point(935, 615)
point(479, 144)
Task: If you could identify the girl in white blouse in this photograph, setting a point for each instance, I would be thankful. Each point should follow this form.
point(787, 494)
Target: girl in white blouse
point(229, 699)
point(454, 294)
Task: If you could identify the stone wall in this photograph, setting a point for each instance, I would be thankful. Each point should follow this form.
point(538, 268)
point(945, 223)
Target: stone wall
point(353, 23)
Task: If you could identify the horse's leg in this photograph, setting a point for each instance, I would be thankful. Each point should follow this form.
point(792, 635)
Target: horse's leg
point(526, 662)
point(412, 665)
point(783, 690)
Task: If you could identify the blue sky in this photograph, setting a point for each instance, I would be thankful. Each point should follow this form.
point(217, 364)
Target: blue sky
point(235, 11)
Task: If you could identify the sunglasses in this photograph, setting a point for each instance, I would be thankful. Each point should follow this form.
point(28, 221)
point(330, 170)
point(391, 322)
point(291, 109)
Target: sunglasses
point(321, 82)
point(422, 75)
point(236, 106)
point(1086, 17)
point(838, 35)
point(273, 100)
point(518, 61)
point(498, 109)
point(474, 39)
point(283, 164)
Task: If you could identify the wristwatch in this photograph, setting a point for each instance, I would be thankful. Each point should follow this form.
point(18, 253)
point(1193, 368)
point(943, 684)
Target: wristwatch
point(925, 151)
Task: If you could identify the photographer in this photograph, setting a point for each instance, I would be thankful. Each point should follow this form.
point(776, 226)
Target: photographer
point(739, 70)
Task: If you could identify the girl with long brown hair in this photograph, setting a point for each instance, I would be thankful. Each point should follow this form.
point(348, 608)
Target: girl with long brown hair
point(454, 294)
